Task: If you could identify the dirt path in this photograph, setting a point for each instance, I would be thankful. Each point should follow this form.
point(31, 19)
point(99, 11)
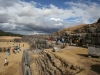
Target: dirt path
point(79, 56)
point(14, 59)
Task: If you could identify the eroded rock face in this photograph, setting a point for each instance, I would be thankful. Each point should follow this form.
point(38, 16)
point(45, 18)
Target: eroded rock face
point(49, 64)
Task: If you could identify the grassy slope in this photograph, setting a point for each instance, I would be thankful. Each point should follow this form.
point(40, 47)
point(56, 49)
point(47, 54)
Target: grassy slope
point(2, 33)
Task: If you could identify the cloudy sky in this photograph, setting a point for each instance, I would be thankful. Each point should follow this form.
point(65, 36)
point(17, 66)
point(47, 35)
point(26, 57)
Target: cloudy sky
point(46, 16)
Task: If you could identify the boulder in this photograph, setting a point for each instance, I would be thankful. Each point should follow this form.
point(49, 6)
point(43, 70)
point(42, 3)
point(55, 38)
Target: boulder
point(37, 51)
point(56, 49)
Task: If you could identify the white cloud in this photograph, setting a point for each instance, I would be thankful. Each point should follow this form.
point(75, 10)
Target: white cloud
point(59, 24)
point(15, 14)
point(3, 11)
point(85, 11)
point(56, 19)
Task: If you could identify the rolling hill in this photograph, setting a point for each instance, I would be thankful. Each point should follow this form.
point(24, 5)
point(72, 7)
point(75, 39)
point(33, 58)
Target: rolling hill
point(2, 33)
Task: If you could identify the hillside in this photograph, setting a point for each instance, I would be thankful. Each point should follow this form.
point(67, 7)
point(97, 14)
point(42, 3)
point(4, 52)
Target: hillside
point(2, 33)
point(79, 28)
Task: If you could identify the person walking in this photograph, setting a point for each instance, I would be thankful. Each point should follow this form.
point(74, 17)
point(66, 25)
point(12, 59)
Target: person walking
point(23, 45)
point(18, 49)
point(77, 42)
point(13, 50)
point(71, 42)
point(6, 62)
point(63, 40)
point(8, 51)
point(19, 45)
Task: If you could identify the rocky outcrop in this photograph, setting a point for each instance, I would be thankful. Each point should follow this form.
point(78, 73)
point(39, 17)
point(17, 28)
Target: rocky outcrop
point(49, 64)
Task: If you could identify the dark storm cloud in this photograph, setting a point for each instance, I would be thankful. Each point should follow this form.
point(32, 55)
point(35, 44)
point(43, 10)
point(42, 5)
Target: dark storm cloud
point(33, 30)
point(37, 24)
point(44, 29)
point(4, 18)
point(5, 26)
point(36, 28)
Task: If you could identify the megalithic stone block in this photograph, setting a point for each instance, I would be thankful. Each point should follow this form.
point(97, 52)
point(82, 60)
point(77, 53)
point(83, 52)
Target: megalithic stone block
point(56, 49)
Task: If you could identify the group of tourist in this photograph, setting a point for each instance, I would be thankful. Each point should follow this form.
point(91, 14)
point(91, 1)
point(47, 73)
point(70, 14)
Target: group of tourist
point(14, 50)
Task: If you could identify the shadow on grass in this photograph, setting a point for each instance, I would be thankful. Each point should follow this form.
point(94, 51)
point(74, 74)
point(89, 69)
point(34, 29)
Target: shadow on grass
point(96, 68)
point(84, 55)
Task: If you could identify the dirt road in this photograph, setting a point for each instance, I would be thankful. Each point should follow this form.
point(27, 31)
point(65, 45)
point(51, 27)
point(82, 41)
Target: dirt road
point(14, 66)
